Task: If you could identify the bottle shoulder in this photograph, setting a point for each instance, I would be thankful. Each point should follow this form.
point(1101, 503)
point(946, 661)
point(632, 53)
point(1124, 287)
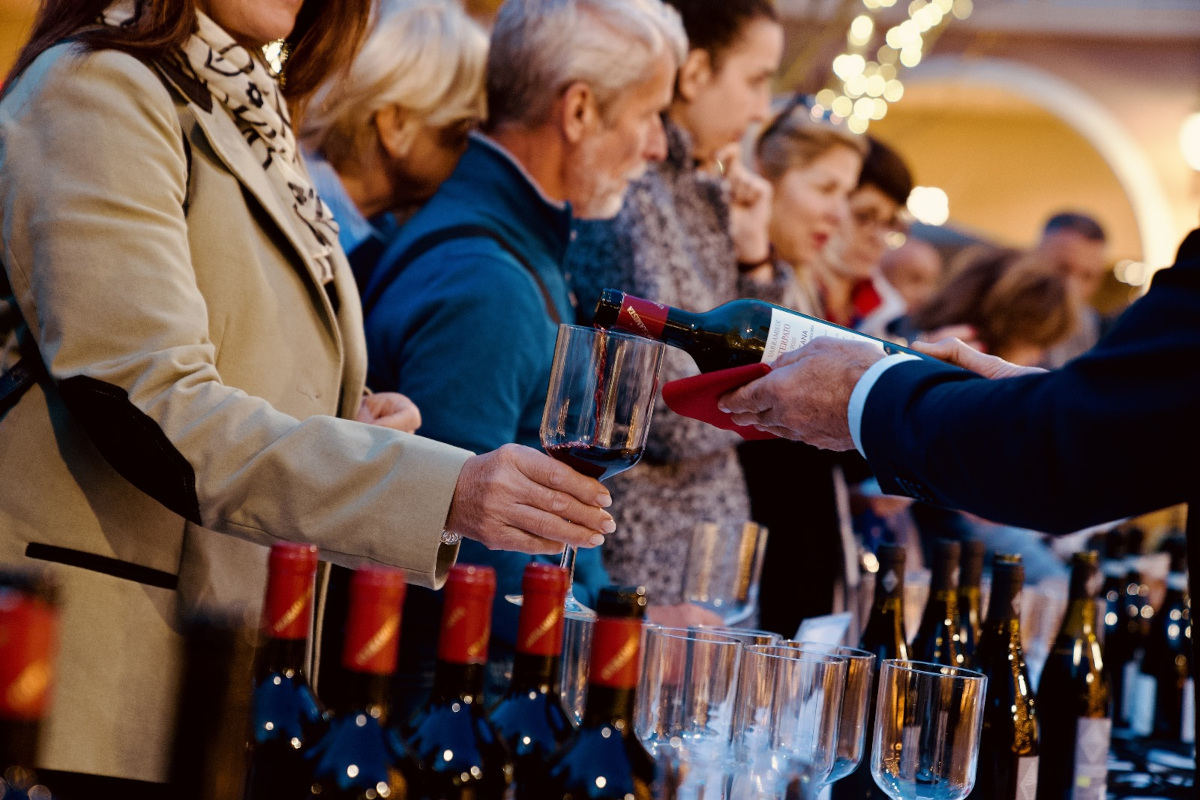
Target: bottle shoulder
point(527, 721)
point(284, 706)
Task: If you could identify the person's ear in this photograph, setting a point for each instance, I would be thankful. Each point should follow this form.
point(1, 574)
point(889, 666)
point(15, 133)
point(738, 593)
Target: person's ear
point(577, 112)
point(695, 73)
point(397, 130)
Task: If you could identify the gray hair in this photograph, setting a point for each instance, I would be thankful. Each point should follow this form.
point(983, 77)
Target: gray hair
point(540, 47)
point(425, 56)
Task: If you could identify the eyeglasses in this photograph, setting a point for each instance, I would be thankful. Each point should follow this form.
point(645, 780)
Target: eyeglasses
point(898, 222)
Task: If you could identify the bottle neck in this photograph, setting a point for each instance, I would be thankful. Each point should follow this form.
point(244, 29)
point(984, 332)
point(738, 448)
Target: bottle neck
point(365, 692)
point(608, 705)
point(286, 656)
point(538, 673)
point(18, 742)
point(630, 314)
point(942, 607)
point(454, 681)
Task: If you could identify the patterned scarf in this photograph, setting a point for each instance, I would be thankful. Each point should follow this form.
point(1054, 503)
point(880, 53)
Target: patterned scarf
point(241, 82)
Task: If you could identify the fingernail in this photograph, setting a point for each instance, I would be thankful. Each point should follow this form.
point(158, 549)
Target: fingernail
point(596, 540)
point(609, 526)
point(604, 500)
point(723, 407)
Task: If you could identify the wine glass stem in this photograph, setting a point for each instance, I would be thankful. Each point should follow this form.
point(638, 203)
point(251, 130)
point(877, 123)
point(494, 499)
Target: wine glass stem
point(568, 563)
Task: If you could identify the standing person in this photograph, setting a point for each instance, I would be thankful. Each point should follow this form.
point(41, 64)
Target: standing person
point(383, 136)
point(687, 227)
point(464, 306)
point(192, 362)
point(813, 168)
point(1030, 447)
point(1077, 244)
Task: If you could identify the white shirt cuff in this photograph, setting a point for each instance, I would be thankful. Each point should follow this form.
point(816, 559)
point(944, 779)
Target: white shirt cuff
point(858, 398)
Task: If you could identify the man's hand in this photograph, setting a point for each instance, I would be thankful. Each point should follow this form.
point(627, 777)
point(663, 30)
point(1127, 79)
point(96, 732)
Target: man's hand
point(389, 410)
point(516, 498)
point(955, 351)
point(750, 198)
point(684, 615)
point(806, 395)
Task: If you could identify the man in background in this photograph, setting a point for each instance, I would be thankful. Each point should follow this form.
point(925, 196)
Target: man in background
point(1077, 244)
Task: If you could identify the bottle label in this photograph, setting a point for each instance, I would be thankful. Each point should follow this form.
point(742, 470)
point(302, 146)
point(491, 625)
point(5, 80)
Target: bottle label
point(1027, 772)
point(616, 644)
point(466, 627)
point(642, 317)
point(28, 629)
point(1130, 674)
point(288, 609)
point(791, 331)
point(1187, 733)
point(1143, 691)
point(1092, 738)
point(540, 626)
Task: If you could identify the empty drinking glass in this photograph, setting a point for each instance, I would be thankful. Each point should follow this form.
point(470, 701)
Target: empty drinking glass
point(724, 568)
point(686, 691)
point(927, 724)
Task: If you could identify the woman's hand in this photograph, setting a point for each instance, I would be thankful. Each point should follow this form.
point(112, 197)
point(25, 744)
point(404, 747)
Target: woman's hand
point(955, 351)
point(515, 498)
point(389, 410)
point(750, 197)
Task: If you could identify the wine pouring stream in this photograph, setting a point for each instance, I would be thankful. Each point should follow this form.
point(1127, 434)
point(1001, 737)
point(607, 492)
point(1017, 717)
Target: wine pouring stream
point(598, 406)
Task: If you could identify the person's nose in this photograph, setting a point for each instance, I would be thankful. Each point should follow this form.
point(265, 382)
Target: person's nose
point(656, 141)
point(762, 105)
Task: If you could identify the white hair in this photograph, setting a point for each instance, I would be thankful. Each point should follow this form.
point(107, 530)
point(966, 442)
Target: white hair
point(540, 47)
point(426, 56)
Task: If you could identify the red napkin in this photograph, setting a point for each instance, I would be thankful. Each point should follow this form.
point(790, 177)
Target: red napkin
point(697, 397)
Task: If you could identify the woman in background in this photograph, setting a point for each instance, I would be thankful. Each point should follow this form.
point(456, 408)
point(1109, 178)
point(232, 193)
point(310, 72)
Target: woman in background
point(384, 135)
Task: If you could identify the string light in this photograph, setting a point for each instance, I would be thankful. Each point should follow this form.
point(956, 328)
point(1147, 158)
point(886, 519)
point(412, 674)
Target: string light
point(867, 83)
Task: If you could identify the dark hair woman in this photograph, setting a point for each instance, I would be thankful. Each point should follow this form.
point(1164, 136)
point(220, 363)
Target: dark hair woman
point(191, 377)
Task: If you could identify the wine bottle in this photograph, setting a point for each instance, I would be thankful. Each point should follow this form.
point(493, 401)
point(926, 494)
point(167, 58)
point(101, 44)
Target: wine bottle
point(457, 752)
point(1008, 745)
point(970, 599)
point(884, 636)
point(1164, 692)
point(604, 760)
point(28, 637)
point(286, 718)
point(530, 717)
point(739, 332)
point(937, 639)
point(1074, 704)
point(359, 757)
point(1114, 566)
point(1126, 646)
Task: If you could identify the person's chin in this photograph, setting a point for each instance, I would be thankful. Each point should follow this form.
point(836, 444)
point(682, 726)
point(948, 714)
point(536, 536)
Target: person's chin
point(605, 206)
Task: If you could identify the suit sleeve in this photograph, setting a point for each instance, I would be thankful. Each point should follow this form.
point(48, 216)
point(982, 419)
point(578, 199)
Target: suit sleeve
point(1100, 439)
point(92, 182)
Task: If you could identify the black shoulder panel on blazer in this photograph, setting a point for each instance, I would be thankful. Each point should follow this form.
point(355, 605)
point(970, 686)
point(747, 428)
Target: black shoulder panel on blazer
point(133, 443)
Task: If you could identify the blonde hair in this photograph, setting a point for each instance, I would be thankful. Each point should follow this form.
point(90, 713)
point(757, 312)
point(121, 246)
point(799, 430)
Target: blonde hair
point(425, 56)
point(797, 140)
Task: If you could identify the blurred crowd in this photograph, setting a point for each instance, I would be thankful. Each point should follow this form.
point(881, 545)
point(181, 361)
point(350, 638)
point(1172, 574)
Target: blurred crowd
point(484, 185)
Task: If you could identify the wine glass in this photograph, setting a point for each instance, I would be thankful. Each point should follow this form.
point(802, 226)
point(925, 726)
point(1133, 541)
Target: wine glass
point(928, 719)
point(602, 390)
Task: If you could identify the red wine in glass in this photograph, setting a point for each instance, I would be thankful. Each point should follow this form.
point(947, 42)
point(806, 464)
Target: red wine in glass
point(595, 461)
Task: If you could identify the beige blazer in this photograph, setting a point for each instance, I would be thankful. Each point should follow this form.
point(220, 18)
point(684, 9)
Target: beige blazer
point(197, 353)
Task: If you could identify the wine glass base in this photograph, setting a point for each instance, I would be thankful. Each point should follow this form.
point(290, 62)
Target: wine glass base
point(572, 609)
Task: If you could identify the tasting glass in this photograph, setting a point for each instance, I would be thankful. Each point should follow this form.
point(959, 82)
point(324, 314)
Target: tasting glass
point(686, 689)
point(598, 405)
point(852, 721)
point(747, 636)
point(575, 664)
point(928, 718)
point(724, 569)
point(786, 716)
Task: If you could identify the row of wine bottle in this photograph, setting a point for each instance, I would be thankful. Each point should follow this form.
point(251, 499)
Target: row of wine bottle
point(527, 745)
point(1055, 748)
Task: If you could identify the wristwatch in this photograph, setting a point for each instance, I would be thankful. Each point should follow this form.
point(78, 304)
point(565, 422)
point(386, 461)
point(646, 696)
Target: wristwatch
point(449, 537)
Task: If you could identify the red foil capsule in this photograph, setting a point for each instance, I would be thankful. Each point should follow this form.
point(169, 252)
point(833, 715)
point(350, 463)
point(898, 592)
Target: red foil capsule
point(467, 614)
point(373, 621)
point(28, 633)
point(540, 626)
point(642, 317)
point(288, 606)
point(616, 646)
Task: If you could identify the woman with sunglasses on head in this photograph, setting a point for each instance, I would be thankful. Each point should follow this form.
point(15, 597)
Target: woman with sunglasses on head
point(192, 364)
point(686, 227)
